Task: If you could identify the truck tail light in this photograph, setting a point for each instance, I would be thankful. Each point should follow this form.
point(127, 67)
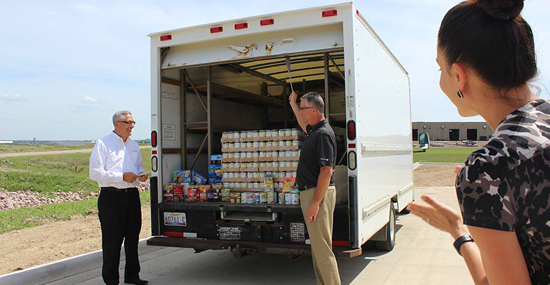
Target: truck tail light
point(216, 30)
point(330, 13)
point(352, 160)
point(351, 130)
point(241, 26)
point(165, 38)
point(154, 138)
point(267, 22)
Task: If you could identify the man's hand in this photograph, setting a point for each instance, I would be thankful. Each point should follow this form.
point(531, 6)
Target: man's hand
point(143, 177)
point(292, 99)
point(312, 211)
point(129, 177)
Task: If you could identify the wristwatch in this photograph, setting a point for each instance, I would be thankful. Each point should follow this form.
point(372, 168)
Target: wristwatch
point(462, 240)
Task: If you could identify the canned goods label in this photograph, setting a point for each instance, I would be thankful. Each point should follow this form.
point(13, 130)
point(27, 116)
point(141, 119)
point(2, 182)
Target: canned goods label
point(295, 199)
point(271, 197)
point(288, 199)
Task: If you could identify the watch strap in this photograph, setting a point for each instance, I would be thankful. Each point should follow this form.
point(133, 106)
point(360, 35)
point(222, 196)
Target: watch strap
point(462, 240)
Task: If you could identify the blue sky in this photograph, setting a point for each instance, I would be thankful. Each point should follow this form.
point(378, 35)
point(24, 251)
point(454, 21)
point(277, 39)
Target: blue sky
point(67, 66)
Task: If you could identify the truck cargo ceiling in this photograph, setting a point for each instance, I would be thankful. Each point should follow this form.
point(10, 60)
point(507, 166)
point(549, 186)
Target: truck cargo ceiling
point(308, 67)
point(302, 66)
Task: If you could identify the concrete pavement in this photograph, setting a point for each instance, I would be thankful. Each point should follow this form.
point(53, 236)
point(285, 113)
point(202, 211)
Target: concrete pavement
point(422, 255)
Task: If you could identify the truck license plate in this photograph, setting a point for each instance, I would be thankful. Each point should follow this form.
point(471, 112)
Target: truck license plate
point(175, 219)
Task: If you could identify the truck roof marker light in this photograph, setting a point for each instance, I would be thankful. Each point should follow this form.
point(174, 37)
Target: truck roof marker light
point(330, 13)
point(351, 130)
point(267, 22)
point(241, 26)
point(352, 160)
point(165, 38)
point(154, 139)
point(216, 30)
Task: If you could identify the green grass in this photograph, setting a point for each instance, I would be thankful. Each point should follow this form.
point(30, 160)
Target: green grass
point(17, 148)
point(20, 148)
point(22, 218)
point(47, 173)
point(446, 155)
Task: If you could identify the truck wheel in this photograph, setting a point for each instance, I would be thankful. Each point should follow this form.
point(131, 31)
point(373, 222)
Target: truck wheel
point(389, 243)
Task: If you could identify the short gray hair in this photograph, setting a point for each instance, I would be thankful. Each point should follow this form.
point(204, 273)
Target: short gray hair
point(120, 114)
point(315, 100)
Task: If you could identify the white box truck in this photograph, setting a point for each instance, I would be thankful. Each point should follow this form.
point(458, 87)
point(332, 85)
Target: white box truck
point(232, 76)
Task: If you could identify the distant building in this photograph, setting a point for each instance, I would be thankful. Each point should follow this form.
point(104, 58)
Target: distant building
point(453, 131)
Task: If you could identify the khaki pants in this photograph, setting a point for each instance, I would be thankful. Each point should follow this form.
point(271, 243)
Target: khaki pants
point(320, 235)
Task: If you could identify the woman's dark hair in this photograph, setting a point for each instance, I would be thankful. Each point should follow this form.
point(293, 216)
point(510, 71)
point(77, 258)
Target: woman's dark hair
point(491, 37)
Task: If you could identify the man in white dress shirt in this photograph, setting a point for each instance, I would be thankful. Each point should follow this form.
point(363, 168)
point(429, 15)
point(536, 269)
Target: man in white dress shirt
point(116, 165)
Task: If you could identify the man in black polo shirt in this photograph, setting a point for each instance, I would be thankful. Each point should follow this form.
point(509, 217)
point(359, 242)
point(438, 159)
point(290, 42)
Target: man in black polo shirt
point(314, 179)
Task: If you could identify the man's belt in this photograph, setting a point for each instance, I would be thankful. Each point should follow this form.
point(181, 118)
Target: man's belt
point(305, 187)
point(122, 190)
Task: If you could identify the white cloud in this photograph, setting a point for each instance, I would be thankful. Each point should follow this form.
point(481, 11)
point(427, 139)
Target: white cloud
point(89, 100)
point(12, 98)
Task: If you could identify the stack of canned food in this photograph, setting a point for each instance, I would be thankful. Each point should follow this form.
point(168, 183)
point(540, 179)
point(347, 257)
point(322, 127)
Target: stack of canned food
point(247, 156)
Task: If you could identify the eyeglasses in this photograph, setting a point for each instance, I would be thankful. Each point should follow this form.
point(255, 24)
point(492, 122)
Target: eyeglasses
point(128, 122)
point(305, 108)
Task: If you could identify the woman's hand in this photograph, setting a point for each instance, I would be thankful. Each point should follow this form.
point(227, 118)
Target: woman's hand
point(440, 216)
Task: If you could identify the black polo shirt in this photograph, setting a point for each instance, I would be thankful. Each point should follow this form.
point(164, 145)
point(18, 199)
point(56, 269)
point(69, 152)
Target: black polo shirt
point(318, 149)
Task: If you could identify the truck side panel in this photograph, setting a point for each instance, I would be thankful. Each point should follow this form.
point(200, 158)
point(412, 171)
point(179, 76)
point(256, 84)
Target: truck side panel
point(384, 147)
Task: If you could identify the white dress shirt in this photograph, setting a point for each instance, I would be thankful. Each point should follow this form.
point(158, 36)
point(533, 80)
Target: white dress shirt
point(111, 157)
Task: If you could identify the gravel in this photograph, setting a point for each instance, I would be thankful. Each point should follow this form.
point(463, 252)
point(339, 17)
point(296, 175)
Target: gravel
point(18, 199)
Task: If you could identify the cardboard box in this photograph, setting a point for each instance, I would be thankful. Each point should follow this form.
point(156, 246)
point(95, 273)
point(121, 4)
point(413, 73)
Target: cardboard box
point(215, 158)
point(215, 170)
point(183, 176)
point(199, 179)
point(214, 181)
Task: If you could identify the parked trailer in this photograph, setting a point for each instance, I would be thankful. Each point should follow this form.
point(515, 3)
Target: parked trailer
point(232, 76)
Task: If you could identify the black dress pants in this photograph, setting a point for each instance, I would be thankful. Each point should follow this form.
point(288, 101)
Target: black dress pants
point(120, 218)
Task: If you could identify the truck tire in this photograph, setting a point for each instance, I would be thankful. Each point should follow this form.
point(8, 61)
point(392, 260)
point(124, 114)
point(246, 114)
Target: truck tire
point(389, 243)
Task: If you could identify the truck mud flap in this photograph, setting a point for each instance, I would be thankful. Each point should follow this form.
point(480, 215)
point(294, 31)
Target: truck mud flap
point(245, 248)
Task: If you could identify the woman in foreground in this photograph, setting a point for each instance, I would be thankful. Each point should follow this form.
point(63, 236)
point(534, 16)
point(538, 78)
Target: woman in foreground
point(487, 58)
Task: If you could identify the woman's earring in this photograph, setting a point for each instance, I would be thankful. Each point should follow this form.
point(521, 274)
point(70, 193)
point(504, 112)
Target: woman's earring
point(460, 94)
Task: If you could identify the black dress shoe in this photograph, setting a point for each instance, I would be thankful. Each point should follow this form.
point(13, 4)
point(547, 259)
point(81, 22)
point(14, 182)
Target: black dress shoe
point(137, 282)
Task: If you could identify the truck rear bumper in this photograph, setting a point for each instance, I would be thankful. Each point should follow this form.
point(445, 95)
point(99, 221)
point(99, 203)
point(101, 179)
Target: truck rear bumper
point(240, 248)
